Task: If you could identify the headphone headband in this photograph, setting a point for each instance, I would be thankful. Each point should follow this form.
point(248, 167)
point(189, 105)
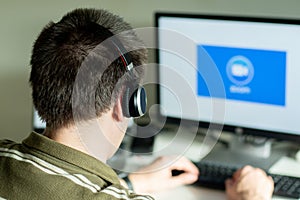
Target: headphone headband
point(134, 100)
point(117, 44)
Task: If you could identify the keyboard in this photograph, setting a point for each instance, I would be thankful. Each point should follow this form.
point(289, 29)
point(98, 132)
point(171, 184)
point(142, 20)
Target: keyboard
point(213, 175)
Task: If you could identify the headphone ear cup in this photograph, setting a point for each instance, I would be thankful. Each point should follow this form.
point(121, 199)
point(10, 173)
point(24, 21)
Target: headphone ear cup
point(134, 101)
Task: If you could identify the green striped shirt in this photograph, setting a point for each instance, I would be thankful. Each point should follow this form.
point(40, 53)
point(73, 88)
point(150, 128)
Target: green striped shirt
point(40, 168)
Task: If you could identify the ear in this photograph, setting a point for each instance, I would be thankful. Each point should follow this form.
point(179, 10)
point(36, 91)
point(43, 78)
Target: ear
point(118, 111)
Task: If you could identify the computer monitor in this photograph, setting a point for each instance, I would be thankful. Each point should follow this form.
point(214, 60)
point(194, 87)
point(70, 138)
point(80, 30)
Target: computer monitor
point(237, 72)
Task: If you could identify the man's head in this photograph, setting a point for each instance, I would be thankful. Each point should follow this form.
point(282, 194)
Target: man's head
point(63, 48)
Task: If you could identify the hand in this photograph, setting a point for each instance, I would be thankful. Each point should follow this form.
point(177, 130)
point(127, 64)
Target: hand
point(158, 175)
point(249, 183)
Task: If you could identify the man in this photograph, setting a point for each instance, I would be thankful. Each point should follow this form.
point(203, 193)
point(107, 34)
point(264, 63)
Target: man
point(80, 76)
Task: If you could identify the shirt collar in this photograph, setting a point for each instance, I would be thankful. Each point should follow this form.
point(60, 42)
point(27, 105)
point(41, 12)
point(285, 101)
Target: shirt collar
point(70, 155)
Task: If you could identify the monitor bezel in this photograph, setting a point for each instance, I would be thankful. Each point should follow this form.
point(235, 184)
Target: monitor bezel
point(228, 128)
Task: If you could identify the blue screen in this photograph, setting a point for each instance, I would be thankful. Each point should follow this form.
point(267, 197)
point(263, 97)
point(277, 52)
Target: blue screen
point(251, 75)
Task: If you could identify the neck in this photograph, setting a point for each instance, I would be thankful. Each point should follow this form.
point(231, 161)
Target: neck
point(70, 137)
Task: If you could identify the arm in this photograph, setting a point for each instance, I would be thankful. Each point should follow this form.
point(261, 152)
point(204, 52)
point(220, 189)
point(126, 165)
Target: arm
point(249, 183)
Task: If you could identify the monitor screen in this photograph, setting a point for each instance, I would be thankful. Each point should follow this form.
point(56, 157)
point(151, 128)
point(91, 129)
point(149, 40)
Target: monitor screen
point(249, 66)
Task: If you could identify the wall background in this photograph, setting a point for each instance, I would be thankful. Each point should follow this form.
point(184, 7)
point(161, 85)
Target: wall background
point(21, 22)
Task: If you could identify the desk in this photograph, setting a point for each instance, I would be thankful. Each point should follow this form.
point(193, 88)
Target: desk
point(285, 165)
point(190, 193)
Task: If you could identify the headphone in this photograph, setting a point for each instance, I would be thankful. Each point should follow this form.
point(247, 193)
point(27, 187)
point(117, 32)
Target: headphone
point(134, 99)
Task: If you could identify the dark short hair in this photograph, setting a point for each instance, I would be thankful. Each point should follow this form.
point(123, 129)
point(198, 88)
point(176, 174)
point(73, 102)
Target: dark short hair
point(59, 52)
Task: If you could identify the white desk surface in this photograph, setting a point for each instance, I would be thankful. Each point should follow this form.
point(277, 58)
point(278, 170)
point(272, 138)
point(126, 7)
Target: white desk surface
point(285, 165)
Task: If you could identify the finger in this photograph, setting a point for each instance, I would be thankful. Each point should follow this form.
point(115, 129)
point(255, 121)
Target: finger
point(250, 179)
point(237, 174)
point(242, 172)
point(185, 165)
point(229, 184)
point(231, 189)
point(183, 179)
point(271, 181)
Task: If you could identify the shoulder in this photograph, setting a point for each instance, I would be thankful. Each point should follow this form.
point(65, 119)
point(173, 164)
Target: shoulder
point(43, 176)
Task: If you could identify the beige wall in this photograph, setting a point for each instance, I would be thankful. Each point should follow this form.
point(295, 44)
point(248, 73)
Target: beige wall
point(21, 21)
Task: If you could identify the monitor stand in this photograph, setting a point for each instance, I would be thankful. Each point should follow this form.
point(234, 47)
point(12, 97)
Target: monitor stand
point(241, 151)
point(249, 145)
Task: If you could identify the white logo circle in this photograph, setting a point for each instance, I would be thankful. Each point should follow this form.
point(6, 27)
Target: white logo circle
point(240, 70)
